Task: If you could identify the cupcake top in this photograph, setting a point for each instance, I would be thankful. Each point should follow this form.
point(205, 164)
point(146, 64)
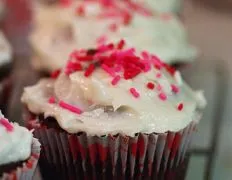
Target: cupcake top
point(95, 22)
point(112, 89)
point(15, 142)
point(5, 50)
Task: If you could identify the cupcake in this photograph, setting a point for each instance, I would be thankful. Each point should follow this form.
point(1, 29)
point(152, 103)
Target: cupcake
point(19, 151)
point(91, 23)
point(5, 70)
point(112, 112)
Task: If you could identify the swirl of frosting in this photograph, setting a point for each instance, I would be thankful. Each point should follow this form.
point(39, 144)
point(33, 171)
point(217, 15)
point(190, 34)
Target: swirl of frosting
point(90, 23)
point(112, 90)
point(15, 142)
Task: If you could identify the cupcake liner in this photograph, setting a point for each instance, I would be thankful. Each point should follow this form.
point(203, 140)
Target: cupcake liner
point(26, 171)
point(79, 156)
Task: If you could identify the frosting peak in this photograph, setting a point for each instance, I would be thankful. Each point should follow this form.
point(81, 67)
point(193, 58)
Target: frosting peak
point(15, 142)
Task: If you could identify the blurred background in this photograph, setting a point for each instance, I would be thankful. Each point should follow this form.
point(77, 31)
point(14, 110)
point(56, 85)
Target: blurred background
point(209, 24)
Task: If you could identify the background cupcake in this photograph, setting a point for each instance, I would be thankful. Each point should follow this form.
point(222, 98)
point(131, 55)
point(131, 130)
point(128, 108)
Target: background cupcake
point(5, 70)
point(112, 112)
point(88, 23)
point(19, 151)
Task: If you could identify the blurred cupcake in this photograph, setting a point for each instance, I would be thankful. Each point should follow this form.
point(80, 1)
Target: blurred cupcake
point(91, 23)
point(5, 70)
point(19, 151)
point(112, 112)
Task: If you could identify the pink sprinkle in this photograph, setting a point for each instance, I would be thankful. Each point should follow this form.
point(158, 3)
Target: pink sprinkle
point(134, 92)
point(158, 75)
point(108, 70)
point(180, 107)
point(4, 122)
point(163, 96)
point(159, 87)
point(175, 89)
point(51, 100)
point(115, 80)
point(69, 107)
point(101, 40)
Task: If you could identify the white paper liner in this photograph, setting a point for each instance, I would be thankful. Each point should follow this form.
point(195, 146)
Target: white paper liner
point(26, 171)
point(78, 156)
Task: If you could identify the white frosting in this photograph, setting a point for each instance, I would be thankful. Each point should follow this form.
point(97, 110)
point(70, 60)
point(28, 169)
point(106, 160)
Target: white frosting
point(5, 50)
point(164, 5)
point(15, 145)
point(165, 37)
point(129, 115)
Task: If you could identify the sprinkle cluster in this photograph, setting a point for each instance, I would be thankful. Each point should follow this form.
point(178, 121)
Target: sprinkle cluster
point(119, 63)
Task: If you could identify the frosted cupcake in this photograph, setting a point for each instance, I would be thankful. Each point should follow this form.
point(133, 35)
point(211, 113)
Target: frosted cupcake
point(5, 70)
point(112, 111)
point(91, 23)
point(19, 151)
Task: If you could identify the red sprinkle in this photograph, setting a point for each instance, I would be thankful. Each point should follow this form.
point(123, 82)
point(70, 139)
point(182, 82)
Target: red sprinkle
point(121, 44)
point(89, 70)
point(134, 92)
point(150, 85)
point(69, 107)
point(52, 100)
point(157, 66)
point(163, 96)
point(170, 69)
point(55, 74)
point(80, 11)
point(108, 70)
point(127, 19)
point(175, 89)
point(115, 80)
point(180, 106)
point(6, 124)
